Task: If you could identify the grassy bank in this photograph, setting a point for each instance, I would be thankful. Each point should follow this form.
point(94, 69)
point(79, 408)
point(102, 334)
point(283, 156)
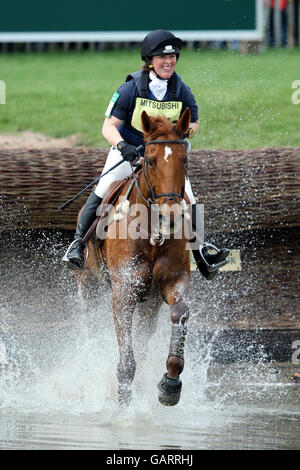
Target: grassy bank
point(244, 101)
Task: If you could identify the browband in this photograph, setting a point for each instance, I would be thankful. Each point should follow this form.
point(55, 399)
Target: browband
point(165, 141)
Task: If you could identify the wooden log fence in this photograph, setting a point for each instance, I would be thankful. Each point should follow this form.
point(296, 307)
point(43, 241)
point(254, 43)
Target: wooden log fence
point(241, 189)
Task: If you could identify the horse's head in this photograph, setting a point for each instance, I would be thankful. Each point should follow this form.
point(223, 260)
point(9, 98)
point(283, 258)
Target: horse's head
point(165, 164)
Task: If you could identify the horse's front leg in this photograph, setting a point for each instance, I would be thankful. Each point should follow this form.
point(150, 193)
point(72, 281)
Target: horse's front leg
point(170, 385)
point(123, 308)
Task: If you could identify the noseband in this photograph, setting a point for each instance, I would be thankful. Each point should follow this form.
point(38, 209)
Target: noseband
point(155, 197)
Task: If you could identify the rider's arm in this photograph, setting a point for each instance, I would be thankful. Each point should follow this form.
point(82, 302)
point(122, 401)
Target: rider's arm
point(110, 130)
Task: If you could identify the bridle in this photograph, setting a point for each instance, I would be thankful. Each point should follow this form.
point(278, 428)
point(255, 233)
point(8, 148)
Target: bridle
point(154, 196)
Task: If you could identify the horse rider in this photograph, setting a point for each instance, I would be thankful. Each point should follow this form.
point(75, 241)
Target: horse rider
point(158, 90)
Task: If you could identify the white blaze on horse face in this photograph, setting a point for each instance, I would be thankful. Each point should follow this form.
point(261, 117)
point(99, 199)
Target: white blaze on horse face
point(168, 152)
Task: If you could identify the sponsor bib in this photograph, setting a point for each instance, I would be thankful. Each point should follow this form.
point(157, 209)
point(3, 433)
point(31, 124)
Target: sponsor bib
point(169, 109)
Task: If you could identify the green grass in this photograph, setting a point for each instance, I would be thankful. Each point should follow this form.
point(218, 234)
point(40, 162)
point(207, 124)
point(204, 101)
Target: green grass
point(244, 101)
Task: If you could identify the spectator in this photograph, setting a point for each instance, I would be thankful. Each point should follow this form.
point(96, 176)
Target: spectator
point(283, 22)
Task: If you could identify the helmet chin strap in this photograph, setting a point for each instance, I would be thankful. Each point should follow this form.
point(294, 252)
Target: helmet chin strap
point(158, 76)
point(151, 67)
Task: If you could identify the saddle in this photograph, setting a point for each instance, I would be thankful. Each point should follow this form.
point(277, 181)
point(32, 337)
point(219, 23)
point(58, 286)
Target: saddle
point(106, 206)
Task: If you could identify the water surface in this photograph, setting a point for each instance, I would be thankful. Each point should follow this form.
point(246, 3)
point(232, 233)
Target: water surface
point(58, 386)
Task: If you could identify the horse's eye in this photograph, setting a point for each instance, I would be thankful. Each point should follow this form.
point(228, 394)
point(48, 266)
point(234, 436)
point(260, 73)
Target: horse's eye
point(185, 162)
point(151, 163)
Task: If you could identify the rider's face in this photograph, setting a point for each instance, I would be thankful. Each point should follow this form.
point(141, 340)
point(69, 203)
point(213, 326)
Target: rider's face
point(164, 65)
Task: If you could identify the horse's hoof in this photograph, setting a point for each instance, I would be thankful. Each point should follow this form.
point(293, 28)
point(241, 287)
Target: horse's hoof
point(169, 391)
point(124, 394)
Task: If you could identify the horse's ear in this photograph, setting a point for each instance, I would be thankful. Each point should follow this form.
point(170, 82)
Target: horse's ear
point(146, 122)
point(183, 124)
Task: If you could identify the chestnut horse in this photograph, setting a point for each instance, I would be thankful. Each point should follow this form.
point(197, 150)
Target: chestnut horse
point(144, 271)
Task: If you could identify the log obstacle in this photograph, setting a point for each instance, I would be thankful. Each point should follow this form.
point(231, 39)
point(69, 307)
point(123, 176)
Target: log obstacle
point(240, 189)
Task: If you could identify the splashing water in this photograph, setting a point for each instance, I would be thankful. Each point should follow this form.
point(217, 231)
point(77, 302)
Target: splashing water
point(59, 386)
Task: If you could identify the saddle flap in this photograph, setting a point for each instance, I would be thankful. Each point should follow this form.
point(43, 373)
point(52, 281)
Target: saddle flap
point(113, 192)
point(110, 198)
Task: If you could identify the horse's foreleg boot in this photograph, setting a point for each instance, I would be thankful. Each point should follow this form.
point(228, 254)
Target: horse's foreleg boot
point(179, 316)
point(179, 332)
point(124, 394)
point(125, 373)
point(126, 368)
point(169, 391)
point(175, 361)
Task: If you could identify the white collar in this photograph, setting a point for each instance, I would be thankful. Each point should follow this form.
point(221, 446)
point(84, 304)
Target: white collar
point(158, 86)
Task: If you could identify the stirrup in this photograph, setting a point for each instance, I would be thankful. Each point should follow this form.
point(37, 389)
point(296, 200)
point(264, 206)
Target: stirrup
point(67, 260)
point(211, 267)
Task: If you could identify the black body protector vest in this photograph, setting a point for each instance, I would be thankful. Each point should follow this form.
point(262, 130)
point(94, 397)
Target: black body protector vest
point(170, 108)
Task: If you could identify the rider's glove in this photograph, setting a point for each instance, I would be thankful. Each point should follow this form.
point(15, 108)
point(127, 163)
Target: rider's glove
point(128, 152)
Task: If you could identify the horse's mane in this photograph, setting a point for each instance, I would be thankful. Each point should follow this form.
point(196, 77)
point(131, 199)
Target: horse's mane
point(161, 127)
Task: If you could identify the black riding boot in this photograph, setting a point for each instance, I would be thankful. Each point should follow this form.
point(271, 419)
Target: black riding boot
point(207, 263)
point(75, 253)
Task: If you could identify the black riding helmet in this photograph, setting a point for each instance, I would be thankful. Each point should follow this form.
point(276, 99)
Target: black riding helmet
point(160, 42)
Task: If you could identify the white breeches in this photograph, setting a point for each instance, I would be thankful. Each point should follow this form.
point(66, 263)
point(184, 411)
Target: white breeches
point(123, 170)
